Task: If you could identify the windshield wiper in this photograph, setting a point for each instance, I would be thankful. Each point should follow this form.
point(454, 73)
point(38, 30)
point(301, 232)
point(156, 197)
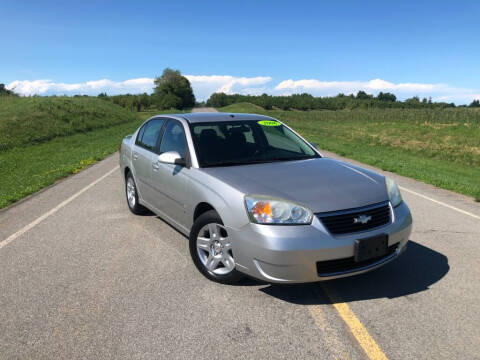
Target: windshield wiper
point(263, 161)
point(225, 163)
point(292, 158)
point(233, 163)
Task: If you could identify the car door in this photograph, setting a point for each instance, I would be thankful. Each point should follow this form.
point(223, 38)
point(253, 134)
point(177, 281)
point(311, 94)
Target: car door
point(169, 180)
point(145, 151)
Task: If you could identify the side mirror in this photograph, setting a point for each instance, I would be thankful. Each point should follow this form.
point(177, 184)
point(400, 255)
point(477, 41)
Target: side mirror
point(171, 157)
point(314, 145)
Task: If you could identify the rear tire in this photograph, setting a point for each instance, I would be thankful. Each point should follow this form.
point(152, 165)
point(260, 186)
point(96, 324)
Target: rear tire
point(210, 249)
point(132, 196)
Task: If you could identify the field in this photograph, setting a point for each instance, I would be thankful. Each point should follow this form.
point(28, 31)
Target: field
point(26, 121)
point(45, 139)
point(439, 147)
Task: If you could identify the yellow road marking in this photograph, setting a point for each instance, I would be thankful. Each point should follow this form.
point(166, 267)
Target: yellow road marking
point(368, 344)
point(331, 337)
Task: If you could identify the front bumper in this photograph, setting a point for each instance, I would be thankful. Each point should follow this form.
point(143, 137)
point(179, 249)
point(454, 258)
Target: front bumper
point(289, 254)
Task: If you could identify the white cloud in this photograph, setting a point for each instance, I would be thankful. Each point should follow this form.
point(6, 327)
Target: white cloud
point(439, 92)
point(349, 87)
point(48, 87)
point(205, 85)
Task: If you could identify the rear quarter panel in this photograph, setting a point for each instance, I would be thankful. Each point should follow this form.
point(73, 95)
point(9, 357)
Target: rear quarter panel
point(125, 156)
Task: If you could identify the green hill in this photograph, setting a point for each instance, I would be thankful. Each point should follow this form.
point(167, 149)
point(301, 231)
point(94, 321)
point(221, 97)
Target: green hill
point(26, 121)
point(43, 139)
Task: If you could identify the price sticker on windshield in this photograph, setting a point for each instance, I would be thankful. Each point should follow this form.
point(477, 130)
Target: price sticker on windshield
point(269, 123)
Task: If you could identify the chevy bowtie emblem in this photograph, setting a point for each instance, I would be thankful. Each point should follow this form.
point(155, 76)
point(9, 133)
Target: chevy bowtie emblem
point(362, 219)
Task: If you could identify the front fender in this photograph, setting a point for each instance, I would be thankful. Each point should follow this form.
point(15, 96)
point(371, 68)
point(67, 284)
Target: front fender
point(226, 200)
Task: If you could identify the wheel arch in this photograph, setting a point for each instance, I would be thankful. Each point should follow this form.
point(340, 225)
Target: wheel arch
point(126, 171)
point(202, 208)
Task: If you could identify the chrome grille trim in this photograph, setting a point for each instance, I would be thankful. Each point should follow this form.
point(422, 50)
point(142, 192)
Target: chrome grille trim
point(342, 222)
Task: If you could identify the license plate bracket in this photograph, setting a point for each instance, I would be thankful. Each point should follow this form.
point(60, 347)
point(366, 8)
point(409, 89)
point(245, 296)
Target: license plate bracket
point(371, 247)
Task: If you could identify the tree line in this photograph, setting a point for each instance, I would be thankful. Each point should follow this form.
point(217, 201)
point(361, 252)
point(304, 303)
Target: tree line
point(341, 101)
point(174, 91)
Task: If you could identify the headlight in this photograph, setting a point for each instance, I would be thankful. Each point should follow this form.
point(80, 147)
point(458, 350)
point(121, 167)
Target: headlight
point(393, 192)
point(267, 210)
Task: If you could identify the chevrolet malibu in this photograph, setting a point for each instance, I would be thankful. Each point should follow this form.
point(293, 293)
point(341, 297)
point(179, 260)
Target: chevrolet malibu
point(256, 199)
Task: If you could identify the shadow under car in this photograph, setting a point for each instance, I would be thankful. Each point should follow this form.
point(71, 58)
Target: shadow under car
point(414, 271)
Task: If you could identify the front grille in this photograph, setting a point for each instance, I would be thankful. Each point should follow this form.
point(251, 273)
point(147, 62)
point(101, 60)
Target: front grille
point(330, 267)
point(343, 222)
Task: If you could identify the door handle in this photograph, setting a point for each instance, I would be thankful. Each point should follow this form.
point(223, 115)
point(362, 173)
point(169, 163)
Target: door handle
point(135, 156)
point(155, 166)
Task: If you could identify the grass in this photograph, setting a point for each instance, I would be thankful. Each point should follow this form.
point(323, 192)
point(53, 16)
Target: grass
point(38, 162)
point(439, 147)
point(45, 139)
point(26, 121)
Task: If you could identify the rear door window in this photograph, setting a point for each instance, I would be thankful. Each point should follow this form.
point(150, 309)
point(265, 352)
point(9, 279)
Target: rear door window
point(140, 134)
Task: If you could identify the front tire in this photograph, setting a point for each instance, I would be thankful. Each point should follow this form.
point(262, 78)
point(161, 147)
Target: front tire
point(132, 196)
point(211, 249)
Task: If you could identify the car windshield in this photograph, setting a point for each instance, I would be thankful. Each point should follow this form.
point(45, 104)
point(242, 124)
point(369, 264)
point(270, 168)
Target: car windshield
point(228, 143)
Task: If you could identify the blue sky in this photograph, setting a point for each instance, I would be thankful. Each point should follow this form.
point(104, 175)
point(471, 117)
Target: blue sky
point(429, 48)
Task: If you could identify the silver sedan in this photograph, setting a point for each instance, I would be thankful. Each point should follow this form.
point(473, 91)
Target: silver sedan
point(256, 199)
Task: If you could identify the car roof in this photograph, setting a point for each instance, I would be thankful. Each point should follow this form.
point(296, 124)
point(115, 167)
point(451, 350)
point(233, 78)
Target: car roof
point(217, 117)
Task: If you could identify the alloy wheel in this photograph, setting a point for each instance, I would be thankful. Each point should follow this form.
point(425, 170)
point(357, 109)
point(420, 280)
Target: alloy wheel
point(214, 249)
point(131, 193)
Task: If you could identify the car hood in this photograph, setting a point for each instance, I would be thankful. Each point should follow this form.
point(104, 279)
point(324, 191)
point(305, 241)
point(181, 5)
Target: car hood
point(322, 184)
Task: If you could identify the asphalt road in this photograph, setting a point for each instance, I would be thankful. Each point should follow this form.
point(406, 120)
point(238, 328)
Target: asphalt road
point(83, 278)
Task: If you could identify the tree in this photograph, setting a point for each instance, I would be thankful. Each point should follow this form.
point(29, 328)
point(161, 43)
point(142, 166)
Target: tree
point(172, 90)
point(413, 100)
point(170, 101)
point(362, 95)
point(475, 103)
point(5, 92)
point(217, 100)
point(265, 101)
point(386, 97)
point(144, 101)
